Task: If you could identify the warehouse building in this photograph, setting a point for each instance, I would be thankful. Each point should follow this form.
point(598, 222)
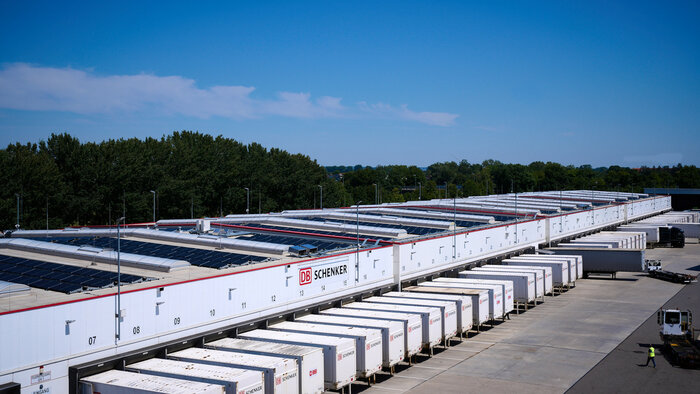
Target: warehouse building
point(76, 302)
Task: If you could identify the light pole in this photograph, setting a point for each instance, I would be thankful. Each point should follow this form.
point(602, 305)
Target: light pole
point(420, 191)
point(445, 189)
point(118, 315)
point(357, 211)
point(321, 187)
point(154, 206)
point(17, 225)
point(357, 254)
point(454, 231)
point(592, 206)
point(516, 218)
point(247, 200)
point(561, 217)
point(376, 193)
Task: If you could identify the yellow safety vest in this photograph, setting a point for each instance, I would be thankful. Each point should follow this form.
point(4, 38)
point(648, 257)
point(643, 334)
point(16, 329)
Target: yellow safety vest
point(651, 352)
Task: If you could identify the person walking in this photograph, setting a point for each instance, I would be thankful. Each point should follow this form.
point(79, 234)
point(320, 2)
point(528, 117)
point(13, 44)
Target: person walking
point(650, 356)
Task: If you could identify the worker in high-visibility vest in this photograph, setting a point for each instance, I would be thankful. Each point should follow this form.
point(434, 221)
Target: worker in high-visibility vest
point(650, 357)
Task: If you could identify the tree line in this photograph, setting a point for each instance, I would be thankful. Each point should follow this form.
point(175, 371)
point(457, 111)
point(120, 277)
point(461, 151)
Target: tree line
point(192, 174)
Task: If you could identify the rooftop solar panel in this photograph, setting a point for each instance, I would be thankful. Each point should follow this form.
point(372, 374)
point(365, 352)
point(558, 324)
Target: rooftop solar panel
point(415, 230)
point(58, 277)
point(324, 244)
point(199, 257)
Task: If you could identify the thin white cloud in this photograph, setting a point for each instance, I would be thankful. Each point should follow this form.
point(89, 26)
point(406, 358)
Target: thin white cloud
point(402, 112)
point(32, 88)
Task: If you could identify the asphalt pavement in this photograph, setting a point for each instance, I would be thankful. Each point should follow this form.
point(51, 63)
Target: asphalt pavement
point(592, 338)
point(623, 369)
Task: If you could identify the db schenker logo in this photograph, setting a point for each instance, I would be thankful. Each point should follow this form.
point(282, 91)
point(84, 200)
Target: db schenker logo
point(309, 274)
point(305, 276)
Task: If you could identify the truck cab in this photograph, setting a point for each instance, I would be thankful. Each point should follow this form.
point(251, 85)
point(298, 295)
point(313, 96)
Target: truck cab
point(674, 323)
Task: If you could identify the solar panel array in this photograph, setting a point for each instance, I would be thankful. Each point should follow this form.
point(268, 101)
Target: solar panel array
point(497, 217)
point(321, 244)
point(409, 229)
point(199, 257)
point(319, 232)
point(460, 223)
point(58, 277)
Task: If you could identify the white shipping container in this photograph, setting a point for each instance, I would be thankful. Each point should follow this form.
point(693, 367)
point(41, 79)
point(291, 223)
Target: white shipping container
point(431, 318)
point(412, 325)
point(121, 382)
point(542, 272)
point(507, 290)
point(235, 380)
point(448, 310)
point(368, 342)
point(309, 358)
point(393, 348)
point(463, 305)
point(281, 373)
point(560, 269)
point(338, 353)
point(479, 298)
point(496, 307)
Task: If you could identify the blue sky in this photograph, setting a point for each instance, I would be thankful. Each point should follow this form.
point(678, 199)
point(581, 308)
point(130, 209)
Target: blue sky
point(364, 82)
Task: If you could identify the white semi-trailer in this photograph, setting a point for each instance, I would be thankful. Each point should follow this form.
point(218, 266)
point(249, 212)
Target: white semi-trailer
point(462, 302)
point(651, 231)
point(368, 342)
point(497, 308)
point(524, 290)
point(235, 380)
point(412, 324)
point(309, 359)
point(568, 266)
point(537, 277)
point(589, 244)
point(448, 310)
point(506, 288)
point(122, 382)
point(393, 348)
point(431, 319)
point(560, 269)
point(479, 299)
point(281, 373)
point(338, 353)
point(544, 272)
point(575, 260)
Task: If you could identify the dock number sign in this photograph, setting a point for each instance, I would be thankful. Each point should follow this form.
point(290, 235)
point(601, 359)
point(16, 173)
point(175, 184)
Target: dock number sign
point(327, 272)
